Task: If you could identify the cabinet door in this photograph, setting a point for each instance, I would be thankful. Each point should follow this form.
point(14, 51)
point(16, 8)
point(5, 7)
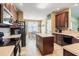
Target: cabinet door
point(58, 21)
point(13, 11)
point(11, 8)
point(62, 20)
point(0, 13)
point(8, 6)
point(58, 39)
point(75, 40)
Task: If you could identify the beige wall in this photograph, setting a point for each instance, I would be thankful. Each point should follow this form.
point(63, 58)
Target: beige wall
point(53, 21)
point(43, 26)
point(70, 22)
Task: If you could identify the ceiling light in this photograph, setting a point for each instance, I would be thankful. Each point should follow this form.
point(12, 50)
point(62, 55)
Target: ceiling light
point(75, 4)
point(42, 5)
point(21, 4)
point(58, 9)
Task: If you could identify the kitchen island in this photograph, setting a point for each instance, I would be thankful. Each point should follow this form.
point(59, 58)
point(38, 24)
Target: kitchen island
point(45, 43)
point(71, 50)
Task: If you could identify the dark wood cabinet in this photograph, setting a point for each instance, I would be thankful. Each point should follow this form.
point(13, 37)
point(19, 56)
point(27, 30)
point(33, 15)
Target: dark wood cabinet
point(62, 20)
point(75, 40)
point(14, 12)
point(12, 9)
point(45, 44)
point(65, 39)
point(71, 50)
point(67, 53)
point(57, 21)
point(58, 39)
point(0, 13)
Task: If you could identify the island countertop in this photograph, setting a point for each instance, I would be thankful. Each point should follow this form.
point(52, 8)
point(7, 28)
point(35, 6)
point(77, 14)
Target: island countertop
point(73, 48)
point(45, 35)
point(6, 50)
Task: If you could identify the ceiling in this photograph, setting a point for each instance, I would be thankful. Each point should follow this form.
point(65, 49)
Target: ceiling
point(32, 12)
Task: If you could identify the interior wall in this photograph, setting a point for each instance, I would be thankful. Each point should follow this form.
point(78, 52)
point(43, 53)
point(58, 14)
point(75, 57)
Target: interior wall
point(75, 18)
point(48, 24)
point(74, 23)
point(53, 22)
point(43, 26)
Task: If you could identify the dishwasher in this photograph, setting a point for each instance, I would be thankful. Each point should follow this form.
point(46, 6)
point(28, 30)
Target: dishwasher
point(67, 39)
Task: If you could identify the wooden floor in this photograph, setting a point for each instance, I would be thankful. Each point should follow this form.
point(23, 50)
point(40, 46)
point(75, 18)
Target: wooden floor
point(32, 50)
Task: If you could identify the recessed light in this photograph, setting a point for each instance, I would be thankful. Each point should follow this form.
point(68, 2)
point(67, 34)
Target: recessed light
point(21, 4)
point(58, 9)
point(42, 5)
point(75, 4)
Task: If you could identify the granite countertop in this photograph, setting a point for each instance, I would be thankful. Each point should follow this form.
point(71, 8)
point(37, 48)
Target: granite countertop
point(6, 50)
point(45, 35)
point(73, 48)
point(69, 33)
point(12, 36)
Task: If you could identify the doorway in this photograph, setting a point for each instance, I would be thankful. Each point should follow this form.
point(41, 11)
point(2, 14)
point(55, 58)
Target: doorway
point(33, 27)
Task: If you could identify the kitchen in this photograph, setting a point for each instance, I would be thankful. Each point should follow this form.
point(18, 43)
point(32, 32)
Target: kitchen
point(59, 28)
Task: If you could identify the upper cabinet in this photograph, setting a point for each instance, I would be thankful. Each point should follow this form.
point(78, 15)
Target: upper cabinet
point(61, 20)
point(20, 16)
point(11, 7)
point(8, 13)
point(0, 13)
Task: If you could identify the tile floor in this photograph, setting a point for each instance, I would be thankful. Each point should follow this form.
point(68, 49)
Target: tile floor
point(32, 50)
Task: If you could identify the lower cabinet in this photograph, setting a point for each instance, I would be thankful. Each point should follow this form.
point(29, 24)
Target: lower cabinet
point(45, 44)
point(67, 53)
point(58, 39)
point(75, 40)
point(65, 39)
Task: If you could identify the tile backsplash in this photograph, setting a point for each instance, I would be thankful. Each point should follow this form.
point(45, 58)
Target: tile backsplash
point(6, 32)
